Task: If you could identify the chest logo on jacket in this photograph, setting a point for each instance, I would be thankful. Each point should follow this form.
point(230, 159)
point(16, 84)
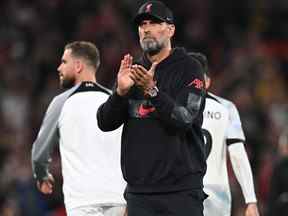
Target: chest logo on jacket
point(141, 108)
point(143, 111)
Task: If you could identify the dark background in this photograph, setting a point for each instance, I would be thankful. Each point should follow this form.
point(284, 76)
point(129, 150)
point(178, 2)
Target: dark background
point(246, 42)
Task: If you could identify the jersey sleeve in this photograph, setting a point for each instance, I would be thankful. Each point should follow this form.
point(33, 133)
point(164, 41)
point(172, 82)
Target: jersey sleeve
point(234, 131)
point(238, 155)
point(46, 139)
point(243, 172)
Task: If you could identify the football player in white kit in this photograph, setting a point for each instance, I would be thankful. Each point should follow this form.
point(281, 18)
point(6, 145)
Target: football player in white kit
point(223, 131)
point(90, 159)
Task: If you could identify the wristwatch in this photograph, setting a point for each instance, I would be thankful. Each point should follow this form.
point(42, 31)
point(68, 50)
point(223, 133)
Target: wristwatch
point(153, 92)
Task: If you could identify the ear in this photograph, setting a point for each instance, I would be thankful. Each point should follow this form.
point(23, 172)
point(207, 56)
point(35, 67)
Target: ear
point(171, 28)
point(78, 66)
point(207, 82)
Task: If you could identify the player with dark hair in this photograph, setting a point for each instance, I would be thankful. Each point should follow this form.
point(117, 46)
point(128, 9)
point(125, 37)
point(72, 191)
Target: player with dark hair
point(223, 131)
point(92, 180)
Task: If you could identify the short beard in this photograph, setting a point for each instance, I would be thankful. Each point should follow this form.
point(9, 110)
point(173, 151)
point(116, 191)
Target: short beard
point(67, 83)
point(151, 46)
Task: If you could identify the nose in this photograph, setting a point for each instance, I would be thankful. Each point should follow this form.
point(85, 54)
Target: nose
point(146, 28)
point(59, 68)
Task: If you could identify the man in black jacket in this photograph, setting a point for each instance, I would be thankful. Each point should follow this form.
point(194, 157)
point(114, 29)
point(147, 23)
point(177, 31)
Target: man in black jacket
point(160, 100)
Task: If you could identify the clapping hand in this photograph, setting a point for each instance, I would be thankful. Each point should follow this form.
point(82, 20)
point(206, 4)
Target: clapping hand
point(124, 77)
point(144, 78)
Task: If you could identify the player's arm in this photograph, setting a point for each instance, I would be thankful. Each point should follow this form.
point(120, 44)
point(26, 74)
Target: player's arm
point(243, 173)
point(43, 146)
point(125, 212)
point(189, 103)
point(240, 162)
point(241, 168)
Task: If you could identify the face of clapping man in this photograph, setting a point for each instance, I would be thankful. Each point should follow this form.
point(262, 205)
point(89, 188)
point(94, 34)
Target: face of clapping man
point(154, 35)
point(67, 69)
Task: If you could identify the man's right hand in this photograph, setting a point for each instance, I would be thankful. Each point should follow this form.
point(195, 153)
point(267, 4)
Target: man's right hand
point(124, 81)
point(251, 210)
point(46, 185)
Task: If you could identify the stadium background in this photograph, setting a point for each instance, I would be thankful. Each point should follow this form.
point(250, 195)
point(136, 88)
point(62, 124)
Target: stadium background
point(246, 43)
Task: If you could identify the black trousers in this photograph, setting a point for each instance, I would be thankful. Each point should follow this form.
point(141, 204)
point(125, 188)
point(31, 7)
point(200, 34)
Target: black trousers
point(184, 203)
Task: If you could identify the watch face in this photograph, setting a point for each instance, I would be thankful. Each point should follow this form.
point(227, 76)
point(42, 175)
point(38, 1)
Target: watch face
point(153, 92)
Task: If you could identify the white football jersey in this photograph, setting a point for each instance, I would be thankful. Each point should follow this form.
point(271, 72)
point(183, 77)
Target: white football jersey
point(90, 158)
point(221, 125)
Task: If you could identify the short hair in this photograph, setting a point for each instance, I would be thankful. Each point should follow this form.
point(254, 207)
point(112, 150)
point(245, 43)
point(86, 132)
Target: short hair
point(85, 50)
point(202, 59)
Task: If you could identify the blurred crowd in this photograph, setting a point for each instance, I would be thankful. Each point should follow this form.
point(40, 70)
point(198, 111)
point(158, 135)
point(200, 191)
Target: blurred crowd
point(246, 43)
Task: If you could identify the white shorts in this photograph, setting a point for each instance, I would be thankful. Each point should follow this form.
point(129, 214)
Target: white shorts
point(215, 208)
point(97, 210)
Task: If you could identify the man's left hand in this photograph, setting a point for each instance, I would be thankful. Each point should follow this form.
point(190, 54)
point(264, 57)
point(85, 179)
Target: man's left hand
point(144, 78)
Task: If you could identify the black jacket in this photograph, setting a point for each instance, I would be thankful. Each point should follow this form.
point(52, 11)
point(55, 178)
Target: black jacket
point(162, 143)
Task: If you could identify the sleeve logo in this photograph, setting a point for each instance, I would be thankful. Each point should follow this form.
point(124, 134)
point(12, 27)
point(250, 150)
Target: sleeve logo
point(196, 83)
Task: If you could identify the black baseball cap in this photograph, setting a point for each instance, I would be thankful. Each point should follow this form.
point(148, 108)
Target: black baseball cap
point(155, 10)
